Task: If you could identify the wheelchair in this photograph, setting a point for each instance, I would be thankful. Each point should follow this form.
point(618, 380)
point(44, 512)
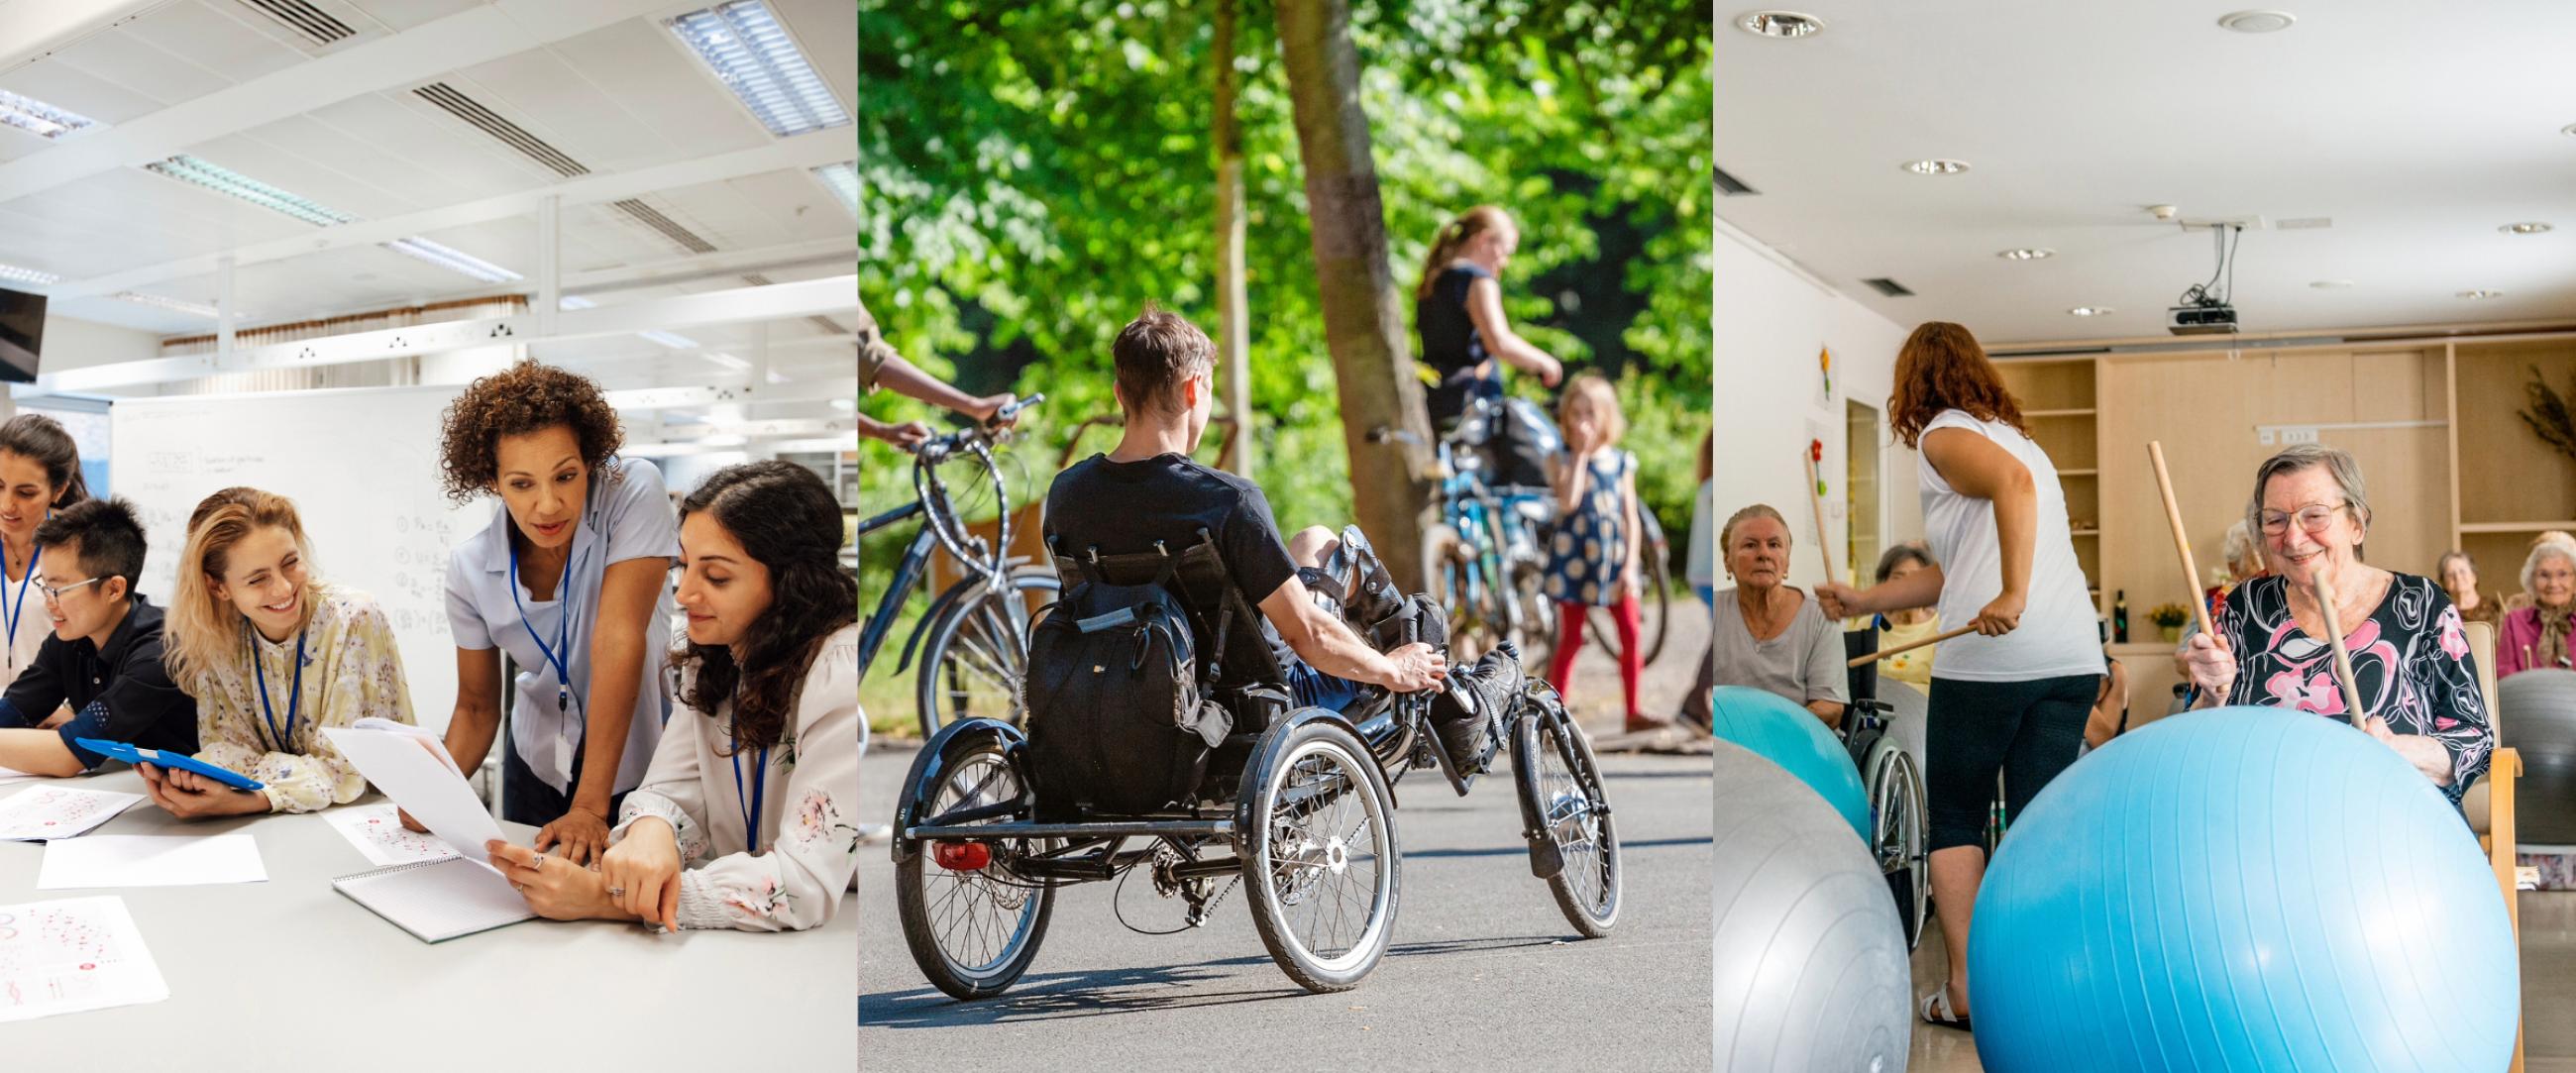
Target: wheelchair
point(1876, 732)
point(1296, 806)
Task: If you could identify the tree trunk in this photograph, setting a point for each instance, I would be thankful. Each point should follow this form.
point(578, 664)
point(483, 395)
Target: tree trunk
point(1371, 369)
point(1234, 332)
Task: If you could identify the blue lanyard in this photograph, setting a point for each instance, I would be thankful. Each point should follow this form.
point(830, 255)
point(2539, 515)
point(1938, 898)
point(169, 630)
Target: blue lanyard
point(19, 602)
point(751, 805)
point(285, 742)
point(558, 656)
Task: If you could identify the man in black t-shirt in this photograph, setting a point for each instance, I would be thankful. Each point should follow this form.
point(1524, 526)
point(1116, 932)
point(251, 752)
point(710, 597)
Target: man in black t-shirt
point(1147, 489)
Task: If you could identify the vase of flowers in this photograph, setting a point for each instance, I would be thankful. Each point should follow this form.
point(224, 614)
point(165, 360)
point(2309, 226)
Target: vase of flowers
point(2169, 619)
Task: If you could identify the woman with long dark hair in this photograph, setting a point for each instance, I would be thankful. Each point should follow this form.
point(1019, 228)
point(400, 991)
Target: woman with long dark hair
point(745, 818)
point(39, 474)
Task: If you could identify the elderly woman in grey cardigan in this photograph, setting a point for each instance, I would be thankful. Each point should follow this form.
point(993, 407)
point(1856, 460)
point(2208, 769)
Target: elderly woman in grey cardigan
point(1769, 635)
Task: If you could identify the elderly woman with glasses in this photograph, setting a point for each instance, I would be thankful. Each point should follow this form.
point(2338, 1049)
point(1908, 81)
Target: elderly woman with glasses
point(2535, 635)
point(2410, 658)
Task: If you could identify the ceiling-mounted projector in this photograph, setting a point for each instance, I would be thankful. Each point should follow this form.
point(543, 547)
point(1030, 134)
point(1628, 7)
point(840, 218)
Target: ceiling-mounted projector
point(2204, 319)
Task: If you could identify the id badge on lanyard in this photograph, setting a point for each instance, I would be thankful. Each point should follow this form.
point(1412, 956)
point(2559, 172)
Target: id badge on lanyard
point(557, 661)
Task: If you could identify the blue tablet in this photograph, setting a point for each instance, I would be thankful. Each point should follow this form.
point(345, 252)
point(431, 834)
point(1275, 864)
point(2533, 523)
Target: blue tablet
point(132, 755)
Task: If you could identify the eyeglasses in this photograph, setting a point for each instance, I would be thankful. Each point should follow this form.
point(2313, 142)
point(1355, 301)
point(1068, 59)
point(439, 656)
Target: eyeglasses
point(54, 595)
point(2314, 519)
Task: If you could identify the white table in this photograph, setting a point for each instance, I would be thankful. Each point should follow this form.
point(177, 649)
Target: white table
point(290, 973)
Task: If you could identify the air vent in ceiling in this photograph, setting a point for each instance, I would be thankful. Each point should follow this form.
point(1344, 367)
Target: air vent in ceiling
point(646, 215)
point(510, 134)
point(312, 23)
point(1730, 185)
point(1889, 287)
point(2305, 223)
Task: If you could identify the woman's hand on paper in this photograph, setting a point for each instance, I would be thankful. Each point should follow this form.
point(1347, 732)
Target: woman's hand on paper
point(190, 796)
point(554, 887)
point(580, 833)
point(643, 873)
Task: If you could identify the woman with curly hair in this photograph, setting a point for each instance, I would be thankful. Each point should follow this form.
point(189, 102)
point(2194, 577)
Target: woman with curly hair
point(569, 580)
point(745, 819)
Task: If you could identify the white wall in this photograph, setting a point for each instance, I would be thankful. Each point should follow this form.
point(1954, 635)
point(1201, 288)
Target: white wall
point(79, 344)
point(1771, 320)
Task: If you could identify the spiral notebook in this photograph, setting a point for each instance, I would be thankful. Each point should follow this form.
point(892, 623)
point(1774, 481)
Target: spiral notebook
point(437, 900)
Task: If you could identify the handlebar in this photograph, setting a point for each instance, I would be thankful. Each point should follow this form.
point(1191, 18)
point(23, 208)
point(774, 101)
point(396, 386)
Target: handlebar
point(931, 450)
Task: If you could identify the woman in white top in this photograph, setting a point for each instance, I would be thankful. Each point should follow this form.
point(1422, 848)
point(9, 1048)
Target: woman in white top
point(39, 474)
point(570, 579)
point(746, 818)
point(2015, 697)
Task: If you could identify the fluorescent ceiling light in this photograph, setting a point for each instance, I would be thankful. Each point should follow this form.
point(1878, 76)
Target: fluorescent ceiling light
point(724, 359)
point(845, 405)
point(844, 181)
point(1936, 166)
point(15, 274)
point(172, 304)
point(451, 259)
point(674, 341)
point(574, 301)
point(41, 119)
point(230, 183)
point(755, 58)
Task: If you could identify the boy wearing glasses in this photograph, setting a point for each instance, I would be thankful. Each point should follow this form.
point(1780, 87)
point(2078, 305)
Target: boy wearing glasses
point(104, 659)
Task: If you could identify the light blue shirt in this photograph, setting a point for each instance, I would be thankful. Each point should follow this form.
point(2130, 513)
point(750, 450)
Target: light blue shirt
point(625, 518)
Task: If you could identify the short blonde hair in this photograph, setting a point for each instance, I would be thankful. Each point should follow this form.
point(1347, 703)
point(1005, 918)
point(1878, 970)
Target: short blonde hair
point(1605, 401)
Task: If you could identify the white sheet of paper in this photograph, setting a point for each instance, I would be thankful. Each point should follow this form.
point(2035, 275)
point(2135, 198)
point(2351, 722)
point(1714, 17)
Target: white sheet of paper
point(38, 813)
point(73, 954)
point(150, 861)
point(7, 774)
point(378, 832)
point(424, 781)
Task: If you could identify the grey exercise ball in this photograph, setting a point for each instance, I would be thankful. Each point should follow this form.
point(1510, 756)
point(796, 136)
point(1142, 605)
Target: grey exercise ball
point(2536, 715)
point(1812, 974)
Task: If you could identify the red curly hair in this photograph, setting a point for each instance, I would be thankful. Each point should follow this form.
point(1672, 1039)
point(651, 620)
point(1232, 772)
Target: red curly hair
point(1941, 367)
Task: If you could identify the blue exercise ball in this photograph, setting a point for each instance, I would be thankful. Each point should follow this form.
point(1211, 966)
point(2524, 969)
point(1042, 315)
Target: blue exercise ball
point(1792, 737)
point(2242, 889)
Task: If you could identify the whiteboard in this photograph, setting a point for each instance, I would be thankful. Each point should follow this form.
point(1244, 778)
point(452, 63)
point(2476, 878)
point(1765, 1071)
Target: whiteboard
point(361, 465)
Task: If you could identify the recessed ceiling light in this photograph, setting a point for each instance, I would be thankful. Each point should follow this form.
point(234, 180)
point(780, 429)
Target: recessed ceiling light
point(2480, 296)
point(2331, 284)
point(15, 274)
point(2533, 228)
point(2026, 254)
point(174, 305)
point(2257, 22)
point(844, 181)
point(753, 55)
point(1936, 166)
point(2568, 130)
point(2090, 311)
point(41, 119)
point(1779, 24)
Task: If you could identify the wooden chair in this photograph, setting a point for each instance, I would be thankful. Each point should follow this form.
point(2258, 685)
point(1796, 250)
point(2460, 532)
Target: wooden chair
point(2489, 804)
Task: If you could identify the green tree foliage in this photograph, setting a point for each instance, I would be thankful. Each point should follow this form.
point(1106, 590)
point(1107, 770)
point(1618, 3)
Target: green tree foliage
point(1032, 173)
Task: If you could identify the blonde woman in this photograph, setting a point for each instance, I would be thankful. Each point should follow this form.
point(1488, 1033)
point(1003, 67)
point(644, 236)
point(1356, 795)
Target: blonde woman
point(1458, 314)
point(273, 655)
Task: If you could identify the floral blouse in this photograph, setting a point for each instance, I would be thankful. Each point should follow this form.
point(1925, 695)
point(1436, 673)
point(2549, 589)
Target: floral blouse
point(352, 670)
point(808, 793)
point(2410, 660)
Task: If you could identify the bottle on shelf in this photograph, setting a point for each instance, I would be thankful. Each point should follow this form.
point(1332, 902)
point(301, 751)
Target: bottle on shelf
point(2120, 618)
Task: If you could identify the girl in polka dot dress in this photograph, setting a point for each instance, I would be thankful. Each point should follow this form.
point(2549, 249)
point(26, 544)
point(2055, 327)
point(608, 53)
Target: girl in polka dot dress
point(1593, 556)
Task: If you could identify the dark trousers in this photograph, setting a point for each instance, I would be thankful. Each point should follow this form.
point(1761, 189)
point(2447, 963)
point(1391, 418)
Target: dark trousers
point(526, 799)
point(2028, 730)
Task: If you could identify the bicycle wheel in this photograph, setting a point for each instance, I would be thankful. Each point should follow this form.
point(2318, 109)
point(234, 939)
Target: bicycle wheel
point(1535, 622)
point(1560, 783)
point(1897, 835)
point(975, 652)
point(1320, 862)
point(1654, 606)
point(973, 933)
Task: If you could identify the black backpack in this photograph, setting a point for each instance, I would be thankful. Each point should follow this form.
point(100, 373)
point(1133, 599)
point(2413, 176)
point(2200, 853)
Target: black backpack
point(1118, 716)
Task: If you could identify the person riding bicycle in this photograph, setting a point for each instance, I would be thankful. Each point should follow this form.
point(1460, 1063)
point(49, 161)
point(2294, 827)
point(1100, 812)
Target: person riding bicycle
point(879, 364)
point(1458, 314)
point(1147, 490)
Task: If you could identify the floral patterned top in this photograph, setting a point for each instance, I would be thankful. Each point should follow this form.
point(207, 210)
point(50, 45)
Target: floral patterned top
point(352, 670)
point(2410, 660)
point(808, 793)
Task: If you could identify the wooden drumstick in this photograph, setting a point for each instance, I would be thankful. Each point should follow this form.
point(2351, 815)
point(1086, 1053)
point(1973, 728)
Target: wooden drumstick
point(2342, 659)
point(2182, 541)
point(1910, 646)
point(1824, 539)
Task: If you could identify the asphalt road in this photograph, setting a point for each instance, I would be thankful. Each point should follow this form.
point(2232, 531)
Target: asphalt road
point(1484, 971)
